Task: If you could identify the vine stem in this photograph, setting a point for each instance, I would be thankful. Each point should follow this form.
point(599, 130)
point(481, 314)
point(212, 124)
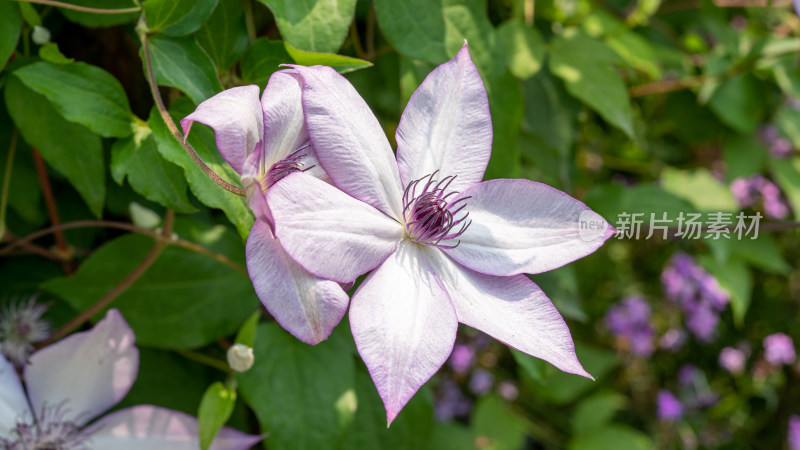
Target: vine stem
point(52, 208)
point(85, 9)
point(22, 242)
point(162, 109)
point(106, 300)
point(204, 359)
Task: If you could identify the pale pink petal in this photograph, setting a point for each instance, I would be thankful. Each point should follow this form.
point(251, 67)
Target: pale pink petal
point(520, 226)
point(255, 190)
point(236, 117)
point(89, 372)
point(329, 233)
point(349, 141)
point(446, 126)
point(153, 427)
point(403, 324)
point(511, 309)
point(304, 305)
point(13, 404)
point(284, 123)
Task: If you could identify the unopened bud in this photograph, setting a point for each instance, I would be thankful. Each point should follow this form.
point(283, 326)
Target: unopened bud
point(240, 357)
point(40, 35)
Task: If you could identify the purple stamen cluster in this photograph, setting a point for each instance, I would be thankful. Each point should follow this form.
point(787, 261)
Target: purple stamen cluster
point(630, 320)
point(748, 191)
point(429, 218)
point(698, 294)
point(21, 325)
point(284, 167)
point(779, 146)
point(50, 431)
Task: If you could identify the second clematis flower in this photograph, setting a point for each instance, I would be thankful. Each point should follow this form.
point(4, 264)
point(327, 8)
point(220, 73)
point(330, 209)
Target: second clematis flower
point(446, 247)
point(265, 141)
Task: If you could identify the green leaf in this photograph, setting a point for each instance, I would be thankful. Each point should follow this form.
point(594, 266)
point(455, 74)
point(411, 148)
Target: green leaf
point(29, 14)
point(787, 174)
point(148, 173)
point(412, 73)
point(533, 367)
point(25, 192)
point(700, 188)
point(611, 200)
point(788, 121)
point(101, 20)
point(342, 64)
point(69, 148)
point(737, 103)
point(304, 396)
point(10, 26)
point(435, 30)
point(494, 423)
point(562, 388)
point(206, 190)
point(612, 437)
point(318, 26)
point(744, 155)
point(182, 64)
point(507, 108)
point(247, 333)
point(50, 53)
point(215, 409)
point(524, 47)
point(561, 286)
point(82, 93)
point(177, 17)
point(185, 299)
point(451, 436)
point(410, 430)
point(733, 275)
point(262, 59)
point(596, 411)
point(587, 67)
point(223, 36)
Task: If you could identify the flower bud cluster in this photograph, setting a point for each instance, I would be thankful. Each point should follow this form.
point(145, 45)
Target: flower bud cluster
point(749, 190)
point(630, 321)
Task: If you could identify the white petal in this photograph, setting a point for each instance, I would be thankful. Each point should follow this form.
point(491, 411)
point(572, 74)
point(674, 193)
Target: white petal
point(511, 309)
point(447, 126)
point(152, 427)
point(306, 306)
point(349, 141)
point(329, 233)
point(520, 226)
point(89, 371)
point(284, 122)
point(403, 324)
point(13, 404)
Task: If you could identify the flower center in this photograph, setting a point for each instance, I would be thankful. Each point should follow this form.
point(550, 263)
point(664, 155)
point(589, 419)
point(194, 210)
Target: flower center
point(284, 167)
point(50, 432)
point(429, 218)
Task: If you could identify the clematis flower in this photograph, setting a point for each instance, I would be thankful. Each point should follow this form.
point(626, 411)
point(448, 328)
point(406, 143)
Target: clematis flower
point(264, 141)
point(69, 383)
point(448, 248)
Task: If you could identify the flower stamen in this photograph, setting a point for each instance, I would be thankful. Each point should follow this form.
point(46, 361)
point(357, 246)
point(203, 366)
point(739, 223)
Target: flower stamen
point(286, 166)
point(430, 218)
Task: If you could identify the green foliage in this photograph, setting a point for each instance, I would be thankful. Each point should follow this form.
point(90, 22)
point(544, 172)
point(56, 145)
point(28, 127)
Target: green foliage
point(182, 64)
point(10, 24)
point(177, 17)
point(215, 409)
point(223, 35)
point(319, 26)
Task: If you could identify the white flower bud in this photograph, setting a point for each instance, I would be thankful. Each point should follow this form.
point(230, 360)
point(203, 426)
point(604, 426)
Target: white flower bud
point(40, 35)
point(240, 357)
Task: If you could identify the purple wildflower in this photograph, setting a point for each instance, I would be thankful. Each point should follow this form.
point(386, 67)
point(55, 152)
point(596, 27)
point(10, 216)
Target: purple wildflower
point(508, 390)
point(794, 432)
point(733, 360)
point(670, 408)
point(673, 340)
point(462, 358)
point(779, 349)
point(630, 320)
point(687, 374)
point(748, 190)
point(481, 382)
point(451, 402)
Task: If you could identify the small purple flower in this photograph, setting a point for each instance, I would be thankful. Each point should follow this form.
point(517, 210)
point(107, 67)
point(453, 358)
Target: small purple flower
point(733, 360)
point(508, 390)
point(481, 382)
point(703, 323)
point(69, 383)
point(451, 402)
point(630, 320)
point(669, 407)
point(779, 349)
point(462, 358)
point(673, 340)
point(794, 432)
point(443, 246)
point(687, 374)
point(781, 148)
point(748, 190)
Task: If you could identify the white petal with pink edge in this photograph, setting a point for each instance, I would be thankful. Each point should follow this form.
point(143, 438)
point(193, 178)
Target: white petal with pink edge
point(89, 372)
point(304, 305)
point(520, 226)
point(403, 324)
point(511, 309)
point(329, 233)
point(446, 126)
point(13, 403)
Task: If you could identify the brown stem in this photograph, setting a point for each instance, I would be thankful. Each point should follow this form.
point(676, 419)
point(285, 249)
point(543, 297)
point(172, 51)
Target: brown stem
point(162, 109)
point(52, 209)
point(665, 86)
point(101, 304)
point(127, 227)
point(85, 9)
